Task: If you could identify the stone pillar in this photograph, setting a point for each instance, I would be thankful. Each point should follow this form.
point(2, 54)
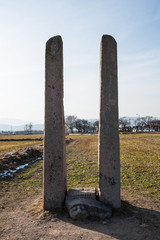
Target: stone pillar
point(54, 139)
point(109, 156)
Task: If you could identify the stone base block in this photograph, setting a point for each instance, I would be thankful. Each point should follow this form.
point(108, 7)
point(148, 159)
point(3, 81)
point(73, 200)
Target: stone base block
point(82, 203)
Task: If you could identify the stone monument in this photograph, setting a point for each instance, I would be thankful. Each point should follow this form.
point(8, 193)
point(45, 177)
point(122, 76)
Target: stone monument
point(54, 134)
point(109, 156)
point(85, 202)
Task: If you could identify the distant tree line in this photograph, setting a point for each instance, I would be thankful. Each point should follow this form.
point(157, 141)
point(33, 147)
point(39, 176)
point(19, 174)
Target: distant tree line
point(77, 125)
point(28, 129)
point(140, 124)
point(74, 124)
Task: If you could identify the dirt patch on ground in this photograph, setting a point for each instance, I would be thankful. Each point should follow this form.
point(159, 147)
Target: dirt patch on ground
point(17, 158)
point(23, 217)
point(27, 220)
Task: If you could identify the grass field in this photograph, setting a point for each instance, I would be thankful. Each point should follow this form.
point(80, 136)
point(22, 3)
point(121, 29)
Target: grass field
point(140, 166)
point(140, 162)
point(11, 145)
point(32, 136)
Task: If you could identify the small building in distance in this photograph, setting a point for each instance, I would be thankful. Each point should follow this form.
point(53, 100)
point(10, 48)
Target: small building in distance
point(155, 124)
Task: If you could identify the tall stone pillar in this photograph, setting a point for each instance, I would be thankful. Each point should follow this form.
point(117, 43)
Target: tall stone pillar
point(109, 156)
point(54, 139)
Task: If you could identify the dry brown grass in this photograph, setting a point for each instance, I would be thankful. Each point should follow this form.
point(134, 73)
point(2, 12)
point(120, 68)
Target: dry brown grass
point(140, 166)
point(9, 146)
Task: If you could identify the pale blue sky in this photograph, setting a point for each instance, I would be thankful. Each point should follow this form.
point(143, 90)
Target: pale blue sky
point(26, 25)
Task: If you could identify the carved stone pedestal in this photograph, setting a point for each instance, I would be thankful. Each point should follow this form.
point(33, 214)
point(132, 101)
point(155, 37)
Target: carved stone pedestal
point(83, 203)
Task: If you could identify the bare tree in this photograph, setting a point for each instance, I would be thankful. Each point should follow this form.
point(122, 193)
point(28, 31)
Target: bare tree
point(28, 128)
point(124, 124)
point(146, 121)
point(70, 122)
point(83, 126)
point(96, 126)
point(79, 125)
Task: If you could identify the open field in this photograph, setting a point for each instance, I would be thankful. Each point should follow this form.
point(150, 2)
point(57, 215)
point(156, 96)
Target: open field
point(9, 146)
point(32, 136)
point(140, 185)
point(140, 164)
point(140, 161)
point(82, 164)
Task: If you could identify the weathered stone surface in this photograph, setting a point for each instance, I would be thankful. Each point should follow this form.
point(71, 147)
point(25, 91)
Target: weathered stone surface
point(109, 157)
point(81, 204)
point(85, 192)
point(54, 140)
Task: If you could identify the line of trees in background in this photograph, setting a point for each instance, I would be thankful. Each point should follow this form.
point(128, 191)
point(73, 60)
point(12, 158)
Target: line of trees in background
point(139, 124)
point(74, 124)
point(77, 125)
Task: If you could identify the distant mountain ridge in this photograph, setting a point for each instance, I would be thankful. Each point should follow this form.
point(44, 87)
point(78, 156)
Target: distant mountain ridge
point(11, 124)
point(16, 122)
point(7, 127)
